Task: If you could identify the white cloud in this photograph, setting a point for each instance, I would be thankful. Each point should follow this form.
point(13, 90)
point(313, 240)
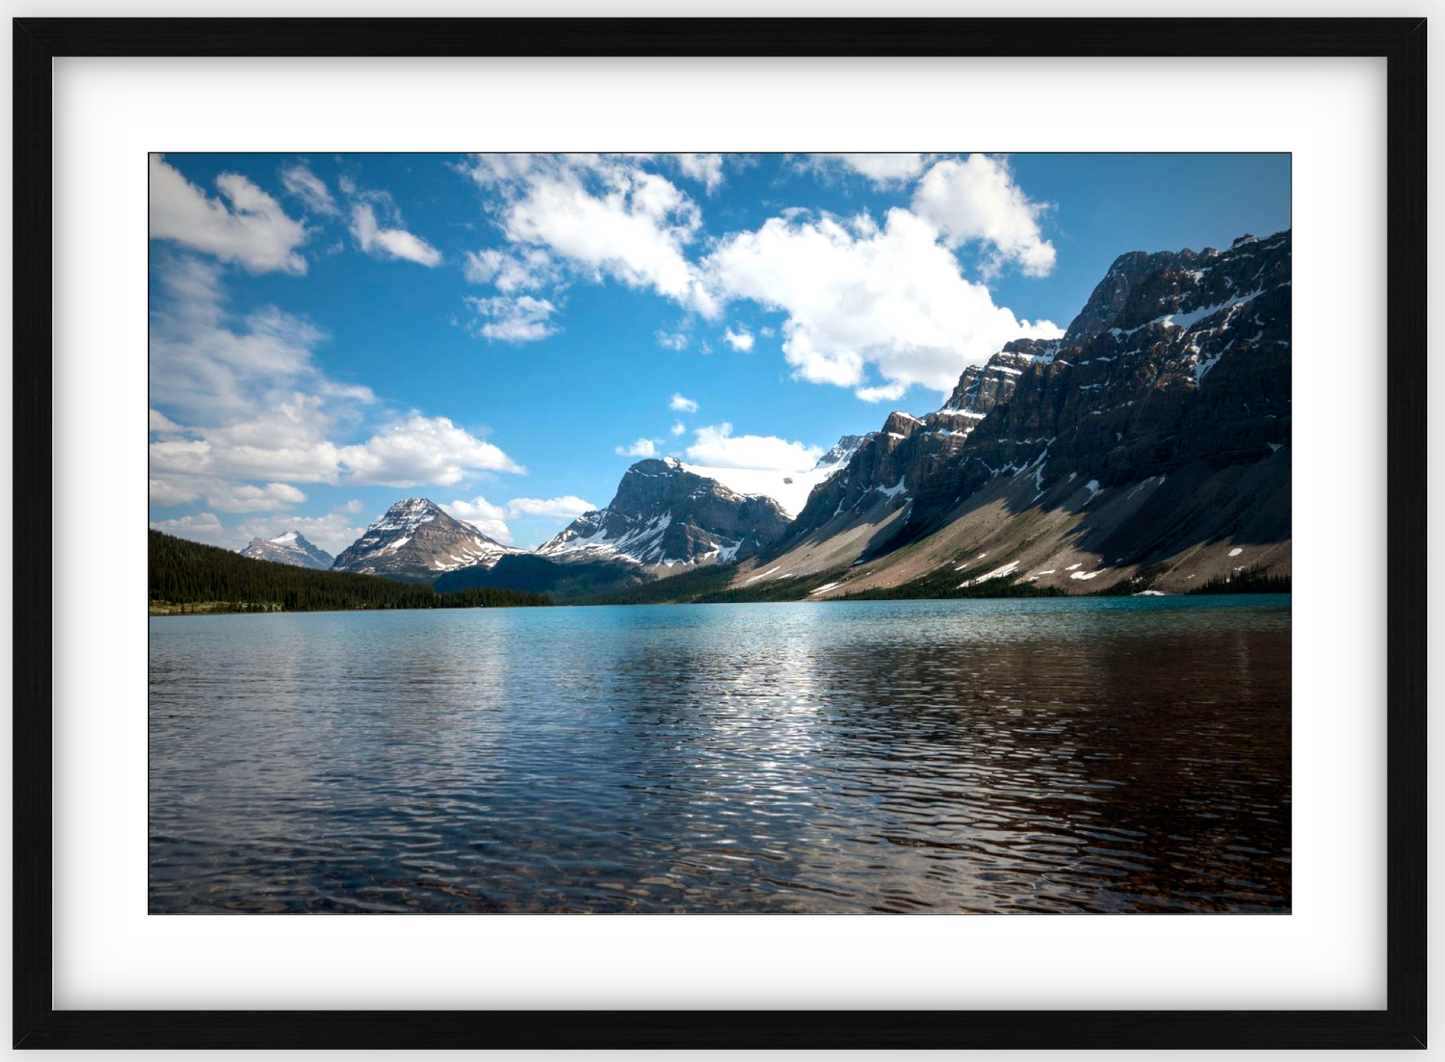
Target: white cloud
point(247, 498)
point(205, 362)
point(607, 216)
point(977, 199)
point(513, 319)
point(679, 428)
point(680, 404)
point(886, 393)
point(198, 527)
point(525, 269)
point(671, 340)
point(264, 413)
point(492, 519)
point(161, 423)
point(717, 446)
point(880, 168)
point(422, 450)
point(857, 295)
point(310, 189)
point(707, 168)
point(742, 339)
point(393, 242)
point(487, 518)
point(169, 492)
point(253, 231)
point(353, 506)
point(640, 448)
point(568, 506)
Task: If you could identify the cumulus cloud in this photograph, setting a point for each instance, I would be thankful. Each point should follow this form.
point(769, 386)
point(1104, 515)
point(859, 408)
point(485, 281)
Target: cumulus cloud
point(569, 506)
point(882, 168)
point(858, 296)
point(679, 428)
point(707, 168)
point(884, 393)
point(640, 448)
point(264, 417)
point(717, 446)
point(874, 305)
point(310, 189)
point(161, 423)
point(513, 319)
point(742, 339)
point(422, 450)
point(681, 404)
point(247, 498)
point(526, 269)
point(607, 216)
point(389, 242)
point(977, 199)
point(253, 231)
point(491, 520)
point(170, 492)
point(487, 518)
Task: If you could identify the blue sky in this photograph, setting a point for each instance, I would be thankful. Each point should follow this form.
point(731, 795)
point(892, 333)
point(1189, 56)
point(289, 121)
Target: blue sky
point(506, 334)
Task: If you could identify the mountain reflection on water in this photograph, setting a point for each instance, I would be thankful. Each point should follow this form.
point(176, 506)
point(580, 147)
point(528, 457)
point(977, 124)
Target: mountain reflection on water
point(1085, 755)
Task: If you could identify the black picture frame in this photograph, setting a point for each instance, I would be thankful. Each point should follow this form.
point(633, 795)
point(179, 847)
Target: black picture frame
point(1400, 1024)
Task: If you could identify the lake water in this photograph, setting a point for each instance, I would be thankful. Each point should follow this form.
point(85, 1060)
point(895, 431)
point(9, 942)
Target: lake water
point(1082, 754)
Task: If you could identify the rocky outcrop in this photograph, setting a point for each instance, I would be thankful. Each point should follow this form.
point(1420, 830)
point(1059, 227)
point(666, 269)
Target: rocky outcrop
point(415, 541)
point(664, 516)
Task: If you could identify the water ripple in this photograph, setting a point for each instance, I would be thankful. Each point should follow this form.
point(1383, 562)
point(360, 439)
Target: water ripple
point(1103, 755)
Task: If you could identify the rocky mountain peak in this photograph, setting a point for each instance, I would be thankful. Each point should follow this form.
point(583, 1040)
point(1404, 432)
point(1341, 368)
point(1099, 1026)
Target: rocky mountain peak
point(289, 548)
point(843, 449)
point(416, 540)
point(664, 515)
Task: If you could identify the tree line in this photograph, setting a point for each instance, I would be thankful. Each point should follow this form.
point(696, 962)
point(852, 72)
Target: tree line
point(189, 573)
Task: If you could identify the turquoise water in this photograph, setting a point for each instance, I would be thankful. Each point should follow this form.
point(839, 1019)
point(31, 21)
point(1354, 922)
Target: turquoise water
point(1081, 754)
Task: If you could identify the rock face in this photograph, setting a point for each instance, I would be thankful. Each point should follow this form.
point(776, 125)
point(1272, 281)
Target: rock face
point(290, 548)
point(416, 542)
point(1179, 360)
point(664, 516)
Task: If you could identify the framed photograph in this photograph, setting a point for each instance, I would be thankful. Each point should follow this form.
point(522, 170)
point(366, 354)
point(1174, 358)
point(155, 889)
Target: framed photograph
point(717, 476)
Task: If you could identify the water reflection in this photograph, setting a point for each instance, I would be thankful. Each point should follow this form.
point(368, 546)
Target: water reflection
point(1078, 755)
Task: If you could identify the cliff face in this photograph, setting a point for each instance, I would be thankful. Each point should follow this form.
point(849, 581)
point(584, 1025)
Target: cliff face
point(1179, 361)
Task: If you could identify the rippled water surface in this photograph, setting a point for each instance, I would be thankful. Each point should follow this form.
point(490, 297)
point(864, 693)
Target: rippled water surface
point(1126, 754)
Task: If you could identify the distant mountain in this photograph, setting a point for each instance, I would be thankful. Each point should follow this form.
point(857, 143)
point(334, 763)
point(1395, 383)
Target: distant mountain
point(1150, 446)
point(190, 577)
point(664, 516)
point(290, 548)
point(416, 541)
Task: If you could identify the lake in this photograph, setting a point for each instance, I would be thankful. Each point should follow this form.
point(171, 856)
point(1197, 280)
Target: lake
point(1027, 755)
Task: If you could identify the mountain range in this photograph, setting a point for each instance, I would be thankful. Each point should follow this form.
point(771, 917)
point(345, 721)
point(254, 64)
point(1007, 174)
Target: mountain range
point(1146, 451)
